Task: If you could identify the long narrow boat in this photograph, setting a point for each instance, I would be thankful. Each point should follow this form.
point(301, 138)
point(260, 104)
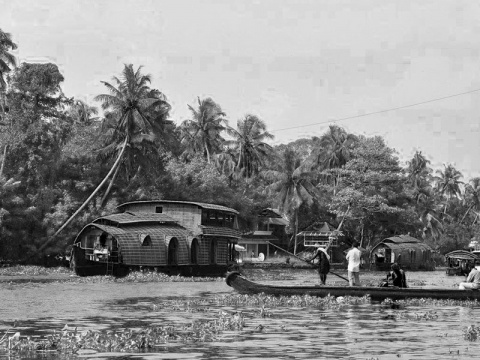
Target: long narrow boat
point(244, 286)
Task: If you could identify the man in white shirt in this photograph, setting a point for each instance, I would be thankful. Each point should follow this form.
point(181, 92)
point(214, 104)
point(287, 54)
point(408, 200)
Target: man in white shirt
point(353, 258)
point(473, 280)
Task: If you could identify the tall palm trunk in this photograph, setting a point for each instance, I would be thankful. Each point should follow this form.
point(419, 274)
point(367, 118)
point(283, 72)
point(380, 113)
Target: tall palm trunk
point(104, 198)
point(3, 160)
point(208, 152)
point(296, 232)
point(115, 165)
point(464, 215)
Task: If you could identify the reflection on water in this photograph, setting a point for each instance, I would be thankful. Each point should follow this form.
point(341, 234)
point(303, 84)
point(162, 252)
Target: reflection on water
point(367, 331)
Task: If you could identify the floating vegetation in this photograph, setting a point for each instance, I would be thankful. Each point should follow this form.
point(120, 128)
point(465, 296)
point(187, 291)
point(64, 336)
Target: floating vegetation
point(139, 276)
point(432, 302)
point(270, 301)
point(31, 270)
point(71, 341)
point(471, 333)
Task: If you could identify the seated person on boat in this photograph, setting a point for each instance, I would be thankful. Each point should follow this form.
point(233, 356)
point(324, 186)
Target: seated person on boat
point(396, 277)
point(473, 279)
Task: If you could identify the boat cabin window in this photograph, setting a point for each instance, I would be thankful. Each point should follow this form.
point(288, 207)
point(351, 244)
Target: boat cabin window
point(147, 240)
point(194, 251)
point(173, 252)
point(158, 209)
point(213, 251)
point(217, 218)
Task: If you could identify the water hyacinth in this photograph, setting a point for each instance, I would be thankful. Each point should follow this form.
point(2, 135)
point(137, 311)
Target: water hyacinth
point(471, 333)
point(32, 270)
point(431, 302)
point(263, 301)
point(71, 341)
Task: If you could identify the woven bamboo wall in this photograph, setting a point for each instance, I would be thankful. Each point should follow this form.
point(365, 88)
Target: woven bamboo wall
point(183, 250)
point(221, 250)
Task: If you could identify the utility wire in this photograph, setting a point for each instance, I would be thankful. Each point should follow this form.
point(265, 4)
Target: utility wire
point(379, 112)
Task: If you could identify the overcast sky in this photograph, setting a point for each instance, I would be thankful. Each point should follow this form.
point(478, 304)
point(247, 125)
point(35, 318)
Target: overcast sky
point(298, 65)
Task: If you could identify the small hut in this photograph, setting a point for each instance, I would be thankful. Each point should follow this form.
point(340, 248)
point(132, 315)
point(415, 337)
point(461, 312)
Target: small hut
point(325, 235)
point(408, 252)
point(460, 262)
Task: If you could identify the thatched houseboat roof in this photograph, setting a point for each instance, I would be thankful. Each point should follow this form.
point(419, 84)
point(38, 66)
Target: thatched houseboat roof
point(199, 204)
point(130, 231)
point(461, 255)
point(402, 242)
point(219, 231)
point(135, 218)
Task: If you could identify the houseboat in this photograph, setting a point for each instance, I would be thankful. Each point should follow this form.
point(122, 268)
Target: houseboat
point(407, 251)
point(174, 237)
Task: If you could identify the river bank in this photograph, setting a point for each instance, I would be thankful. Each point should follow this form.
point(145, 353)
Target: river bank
point(289, 274)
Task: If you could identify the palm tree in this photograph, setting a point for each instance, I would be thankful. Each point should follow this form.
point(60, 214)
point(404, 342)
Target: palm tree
point(448, 183)
point(418, 169)
point(338, 145)
point(126, 105)
point(82, 113)
point(427, 209)
point(6, 60)
point(472, 195)
point(248, 142)
point(291, 184)
point(225, 164)
point(333, 151)
point(201, 134)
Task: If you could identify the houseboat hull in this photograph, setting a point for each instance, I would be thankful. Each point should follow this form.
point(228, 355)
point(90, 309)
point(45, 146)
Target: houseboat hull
point(85, 267)
point(244, 286)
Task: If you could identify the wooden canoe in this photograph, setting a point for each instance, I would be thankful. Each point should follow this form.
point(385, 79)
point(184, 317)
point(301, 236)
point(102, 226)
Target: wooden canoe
point(244, 286)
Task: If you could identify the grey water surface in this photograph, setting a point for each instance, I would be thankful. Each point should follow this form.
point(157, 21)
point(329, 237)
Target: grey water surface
point(366, 331)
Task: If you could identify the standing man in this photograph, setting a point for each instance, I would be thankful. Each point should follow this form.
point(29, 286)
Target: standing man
point(353, 258)
point(323, 263)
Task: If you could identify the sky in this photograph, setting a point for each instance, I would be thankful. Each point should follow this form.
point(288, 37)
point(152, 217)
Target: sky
point(299, 65)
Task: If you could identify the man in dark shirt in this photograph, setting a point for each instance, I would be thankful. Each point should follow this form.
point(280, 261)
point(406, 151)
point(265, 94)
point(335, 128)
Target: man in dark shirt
point(398, 276)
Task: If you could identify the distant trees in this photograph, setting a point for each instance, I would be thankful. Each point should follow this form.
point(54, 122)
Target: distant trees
point(58, 151)
point(448, 183)
point(202, 133)
point(249, 144)
point(291, 184)
point(7, 61)
point(125, 117)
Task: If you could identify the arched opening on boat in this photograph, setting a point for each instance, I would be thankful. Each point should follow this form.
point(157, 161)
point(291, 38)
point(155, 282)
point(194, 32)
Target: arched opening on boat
point(194, 251)
point(145, 240)
point(173, 251)
point(213, 251)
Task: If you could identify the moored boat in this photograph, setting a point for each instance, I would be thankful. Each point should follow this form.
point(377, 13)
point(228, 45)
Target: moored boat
point(245, 286)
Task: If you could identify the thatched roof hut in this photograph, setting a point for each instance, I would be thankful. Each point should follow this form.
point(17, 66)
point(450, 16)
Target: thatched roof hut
point(407, 251)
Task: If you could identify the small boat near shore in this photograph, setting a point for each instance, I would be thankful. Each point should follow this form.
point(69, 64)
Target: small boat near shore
point(245, 286)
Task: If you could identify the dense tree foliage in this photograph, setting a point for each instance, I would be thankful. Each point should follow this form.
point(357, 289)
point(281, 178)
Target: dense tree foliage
point(64, 162)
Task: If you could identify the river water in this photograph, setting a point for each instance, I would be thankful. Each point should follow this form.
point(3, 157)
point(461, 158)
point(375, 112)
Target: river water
point(355, 331)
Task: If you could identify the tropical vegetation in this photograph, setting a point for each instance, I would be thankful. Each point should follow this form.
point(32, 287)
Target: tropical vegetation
point(64, 162)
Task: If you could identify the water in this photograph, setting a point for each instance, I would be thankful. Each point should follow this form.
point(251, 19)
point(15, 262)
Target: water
point(366, 331)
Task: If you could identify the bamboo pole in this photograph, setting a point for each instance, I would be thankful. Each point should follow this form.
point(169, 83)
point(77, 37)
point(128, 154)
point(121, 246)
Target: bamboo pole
point(308, 262)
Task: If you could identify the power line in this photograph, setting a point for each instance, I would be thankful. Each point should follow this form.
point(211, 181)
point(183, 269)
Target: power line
point(378, 112)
